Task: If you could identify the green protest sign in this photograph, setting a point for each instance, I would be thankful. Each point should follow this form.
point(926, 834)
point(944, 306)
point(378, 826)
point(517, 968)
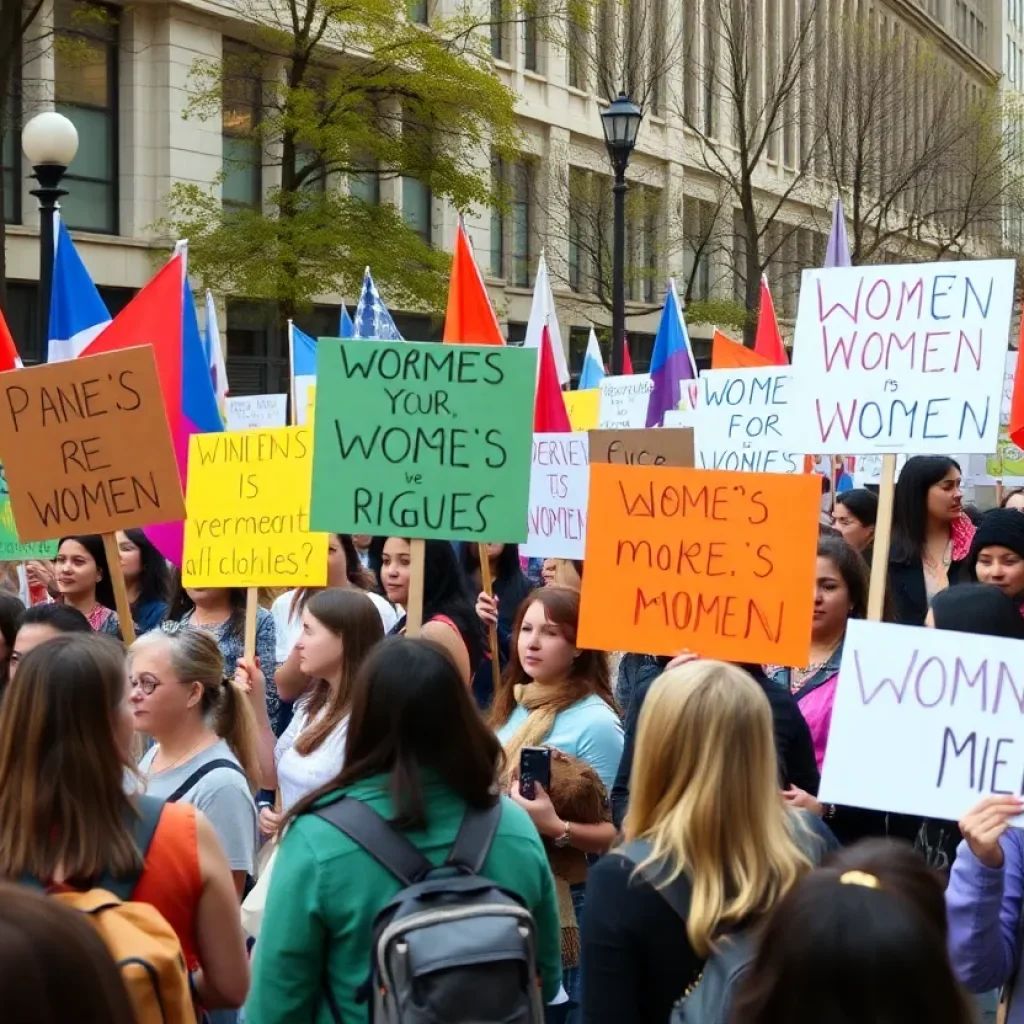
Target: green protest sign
point(11, 549)
point(423, 440)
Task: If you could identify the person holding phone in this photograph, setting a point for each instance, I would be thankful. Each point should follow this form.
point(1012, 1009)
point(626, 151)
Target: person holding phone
point(555, 695)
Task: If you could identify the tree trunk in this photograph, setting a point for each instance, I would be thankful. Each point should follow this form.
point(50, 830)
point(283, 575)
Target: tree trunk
point(752, 266)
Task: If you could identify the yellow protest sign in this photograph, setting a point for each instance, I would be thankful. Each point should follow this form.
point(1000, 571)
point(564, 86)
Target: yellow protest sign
point(582, 408)
point(310, 405)
point(248, 511)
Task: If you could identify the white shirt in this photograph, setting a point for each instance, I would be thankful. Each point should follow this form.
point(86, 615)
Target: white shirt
point(299, 774)
point(288, 626)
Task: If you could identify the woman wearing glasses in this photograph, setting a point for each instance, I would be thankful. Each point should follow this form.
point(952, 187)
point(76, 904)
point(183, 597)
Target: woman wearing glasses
point(205, 733)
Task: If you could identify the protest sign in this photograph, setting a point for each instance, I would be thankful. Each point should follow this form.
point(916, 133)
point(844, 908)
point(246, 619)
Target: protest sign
point(256, 411)
point(559, 482)
point(680, 418)
point(423, 441)
point(301, 387)
point(902, 358)
point(248, 511)
point(624, 401)
point(925, 721)
point(1007, 463)
point(642, 447)
point(713, 562)
point(11, 549)
point(582, 408)
point(745, 421)
point(86, 447)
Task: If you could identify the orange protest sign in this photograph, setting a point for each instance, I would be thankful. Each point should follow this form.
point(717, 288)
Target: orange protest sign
point(719, 563)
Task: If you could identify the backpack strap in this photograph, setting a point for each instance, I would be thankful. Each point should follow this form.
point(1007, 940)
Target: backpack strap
point(675, 893)
point(143, 828)
point(200, 773)
point(387, 846)
point(476, 833)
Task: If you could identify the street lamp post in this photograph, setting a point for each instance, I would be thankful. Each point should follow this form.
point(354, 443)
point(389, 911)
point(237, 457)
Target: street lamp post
point(50, 142)
point(621, 122)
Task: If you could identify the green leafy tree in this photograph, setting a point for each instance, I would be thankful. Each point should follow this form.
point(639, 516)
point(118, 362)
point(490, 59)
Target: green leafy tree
point(350, 90)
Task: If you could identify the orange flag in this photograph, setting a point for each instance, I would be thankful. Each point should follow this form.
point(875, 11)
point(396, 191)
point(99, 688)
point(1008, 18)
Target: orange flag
point(549, 414)
point(470, 318)
point(1016, 427)
point(627, 363)
point(727, 354)
point(768, 340)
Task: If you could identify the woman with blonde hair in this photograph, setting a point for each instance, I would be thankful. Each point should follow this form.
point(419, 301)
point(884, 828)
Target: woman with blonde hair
point(710, 848)
point(205, 733)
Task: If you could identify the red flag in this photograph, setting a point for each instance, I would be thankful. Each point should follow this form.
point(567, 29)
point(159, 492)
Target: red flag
point(768, 340)
point(470, 318)
point(153, 317)
point(727, 354)
point(1016, 427)
point(627, 363)
point(9, 358)
point(549, 414)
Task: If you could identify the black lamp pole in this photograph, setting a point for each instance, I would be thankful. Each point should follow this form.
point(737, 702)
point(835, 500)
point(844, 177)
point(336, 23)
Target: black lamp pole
point(621, 122)
point(48, 193)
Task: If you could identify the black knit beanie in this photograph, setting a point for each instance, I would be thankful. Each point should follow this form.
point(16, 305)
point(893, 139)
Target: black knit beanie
point(1002, 527)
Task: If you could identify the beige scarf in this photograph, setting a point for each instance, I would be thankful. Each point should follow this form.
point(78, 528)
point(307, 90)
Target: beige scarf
point(542, 704)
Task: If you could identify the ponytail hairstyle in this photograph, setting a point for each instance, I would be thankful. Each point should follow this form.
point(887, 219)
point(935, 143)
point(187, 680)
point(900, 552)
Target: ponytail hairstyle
point(353, 618)
point(195, 658)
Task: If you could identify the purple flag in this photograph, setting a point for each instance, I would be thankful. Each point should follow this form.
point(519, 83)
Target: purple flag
point(671, 360)
point(837, 249)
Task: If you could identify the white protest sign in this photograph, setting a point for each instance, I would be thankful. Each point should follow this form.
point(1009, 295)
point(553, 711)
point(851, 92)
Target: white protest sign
point(744, 421)
point(680, 418)
point(623, 403)
point(902, 358)
point(925, 722)
point(257, 411)
point(559, 486)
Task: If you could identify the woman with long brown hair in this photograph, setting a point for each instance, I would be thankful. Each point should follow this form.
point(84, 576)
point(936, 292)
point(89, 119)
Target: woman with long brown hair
point(66, 817)
point(345, 571)
point(205, 734)
point(338, 629)
point(710, 846)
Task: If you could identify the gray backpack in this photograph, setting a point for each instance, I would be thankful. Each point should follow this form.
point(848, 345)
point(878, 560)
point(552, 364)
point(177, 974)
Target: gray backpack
point(708, 998)
point(452, 947)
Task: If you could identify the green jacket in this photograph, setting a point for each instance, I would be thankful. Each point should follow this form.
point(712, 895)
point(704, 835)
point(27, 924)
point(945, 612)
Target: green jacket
point(326, 891)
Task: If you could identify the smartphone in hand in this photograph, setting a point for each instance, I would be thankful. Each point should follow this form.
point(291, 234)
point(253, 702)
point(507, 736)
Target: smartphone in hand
point(534, 767)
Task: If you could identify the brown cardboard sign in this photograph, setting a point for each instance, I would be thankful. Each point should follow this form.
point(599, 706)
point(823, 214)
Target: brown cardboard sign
point(86, 446)
point(662, 447)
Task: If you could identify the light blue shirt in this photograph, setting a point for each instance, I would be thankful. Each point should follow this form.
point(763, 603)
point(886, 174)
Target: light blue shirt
point(589, 730)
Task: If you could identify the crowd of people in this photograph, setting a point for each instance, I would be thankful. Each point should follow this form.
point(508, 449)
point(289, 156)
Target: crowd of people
point(347, 775)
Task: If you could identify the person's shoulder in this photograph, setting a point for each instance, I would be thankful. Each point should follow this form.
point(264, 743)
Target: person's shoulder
point(593, 712)
point(263, 617)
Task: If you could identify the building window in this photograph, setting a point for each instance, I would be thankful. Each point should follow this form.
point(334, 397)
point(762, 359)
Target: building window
point(576, 55)
point(497, 220)
point(365, 187)
point(85, 91)
point(498, 47)
point(698, 231)
point(529, 24)
point(522, 190)
point(257, 350)
point(10, 172)
point(416, 203)
point(418, 12)
point(240, 109)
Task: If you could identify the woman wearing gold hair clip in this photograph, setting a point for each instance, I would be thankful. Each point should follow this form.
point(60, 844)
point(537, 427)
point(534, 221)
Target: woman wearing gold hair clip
point(862, 941)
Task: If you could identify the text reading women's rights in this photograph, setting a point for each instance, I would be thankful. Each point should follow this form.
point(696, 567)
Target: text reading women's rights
point(423, 440)
point(902, 358)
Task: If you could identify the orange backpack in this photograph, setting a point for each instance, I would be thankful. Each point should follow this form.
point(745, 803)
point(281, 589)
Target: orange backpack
point(142, 943)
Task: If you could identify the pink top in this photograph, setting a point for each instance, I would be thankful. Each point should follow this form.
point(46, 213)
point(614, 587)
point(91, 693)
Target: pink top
point(816, 707)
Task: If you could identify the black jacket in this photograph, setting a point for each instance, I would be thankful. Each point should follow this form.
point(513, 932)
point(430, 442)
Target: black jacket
point(797, 765)
point(907, 590)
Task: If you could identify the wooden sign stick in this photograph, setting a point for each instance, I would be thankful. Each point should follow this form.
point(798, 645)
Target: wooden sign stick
point(492, 631)
point(252, 604)
point(883, 533)
point(123, 605)
point(417, 568)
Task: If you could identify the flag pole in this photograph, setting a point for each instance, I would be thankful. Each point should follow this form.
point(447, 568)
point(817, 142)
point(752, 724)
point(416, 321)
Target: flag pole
point(291, 372)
